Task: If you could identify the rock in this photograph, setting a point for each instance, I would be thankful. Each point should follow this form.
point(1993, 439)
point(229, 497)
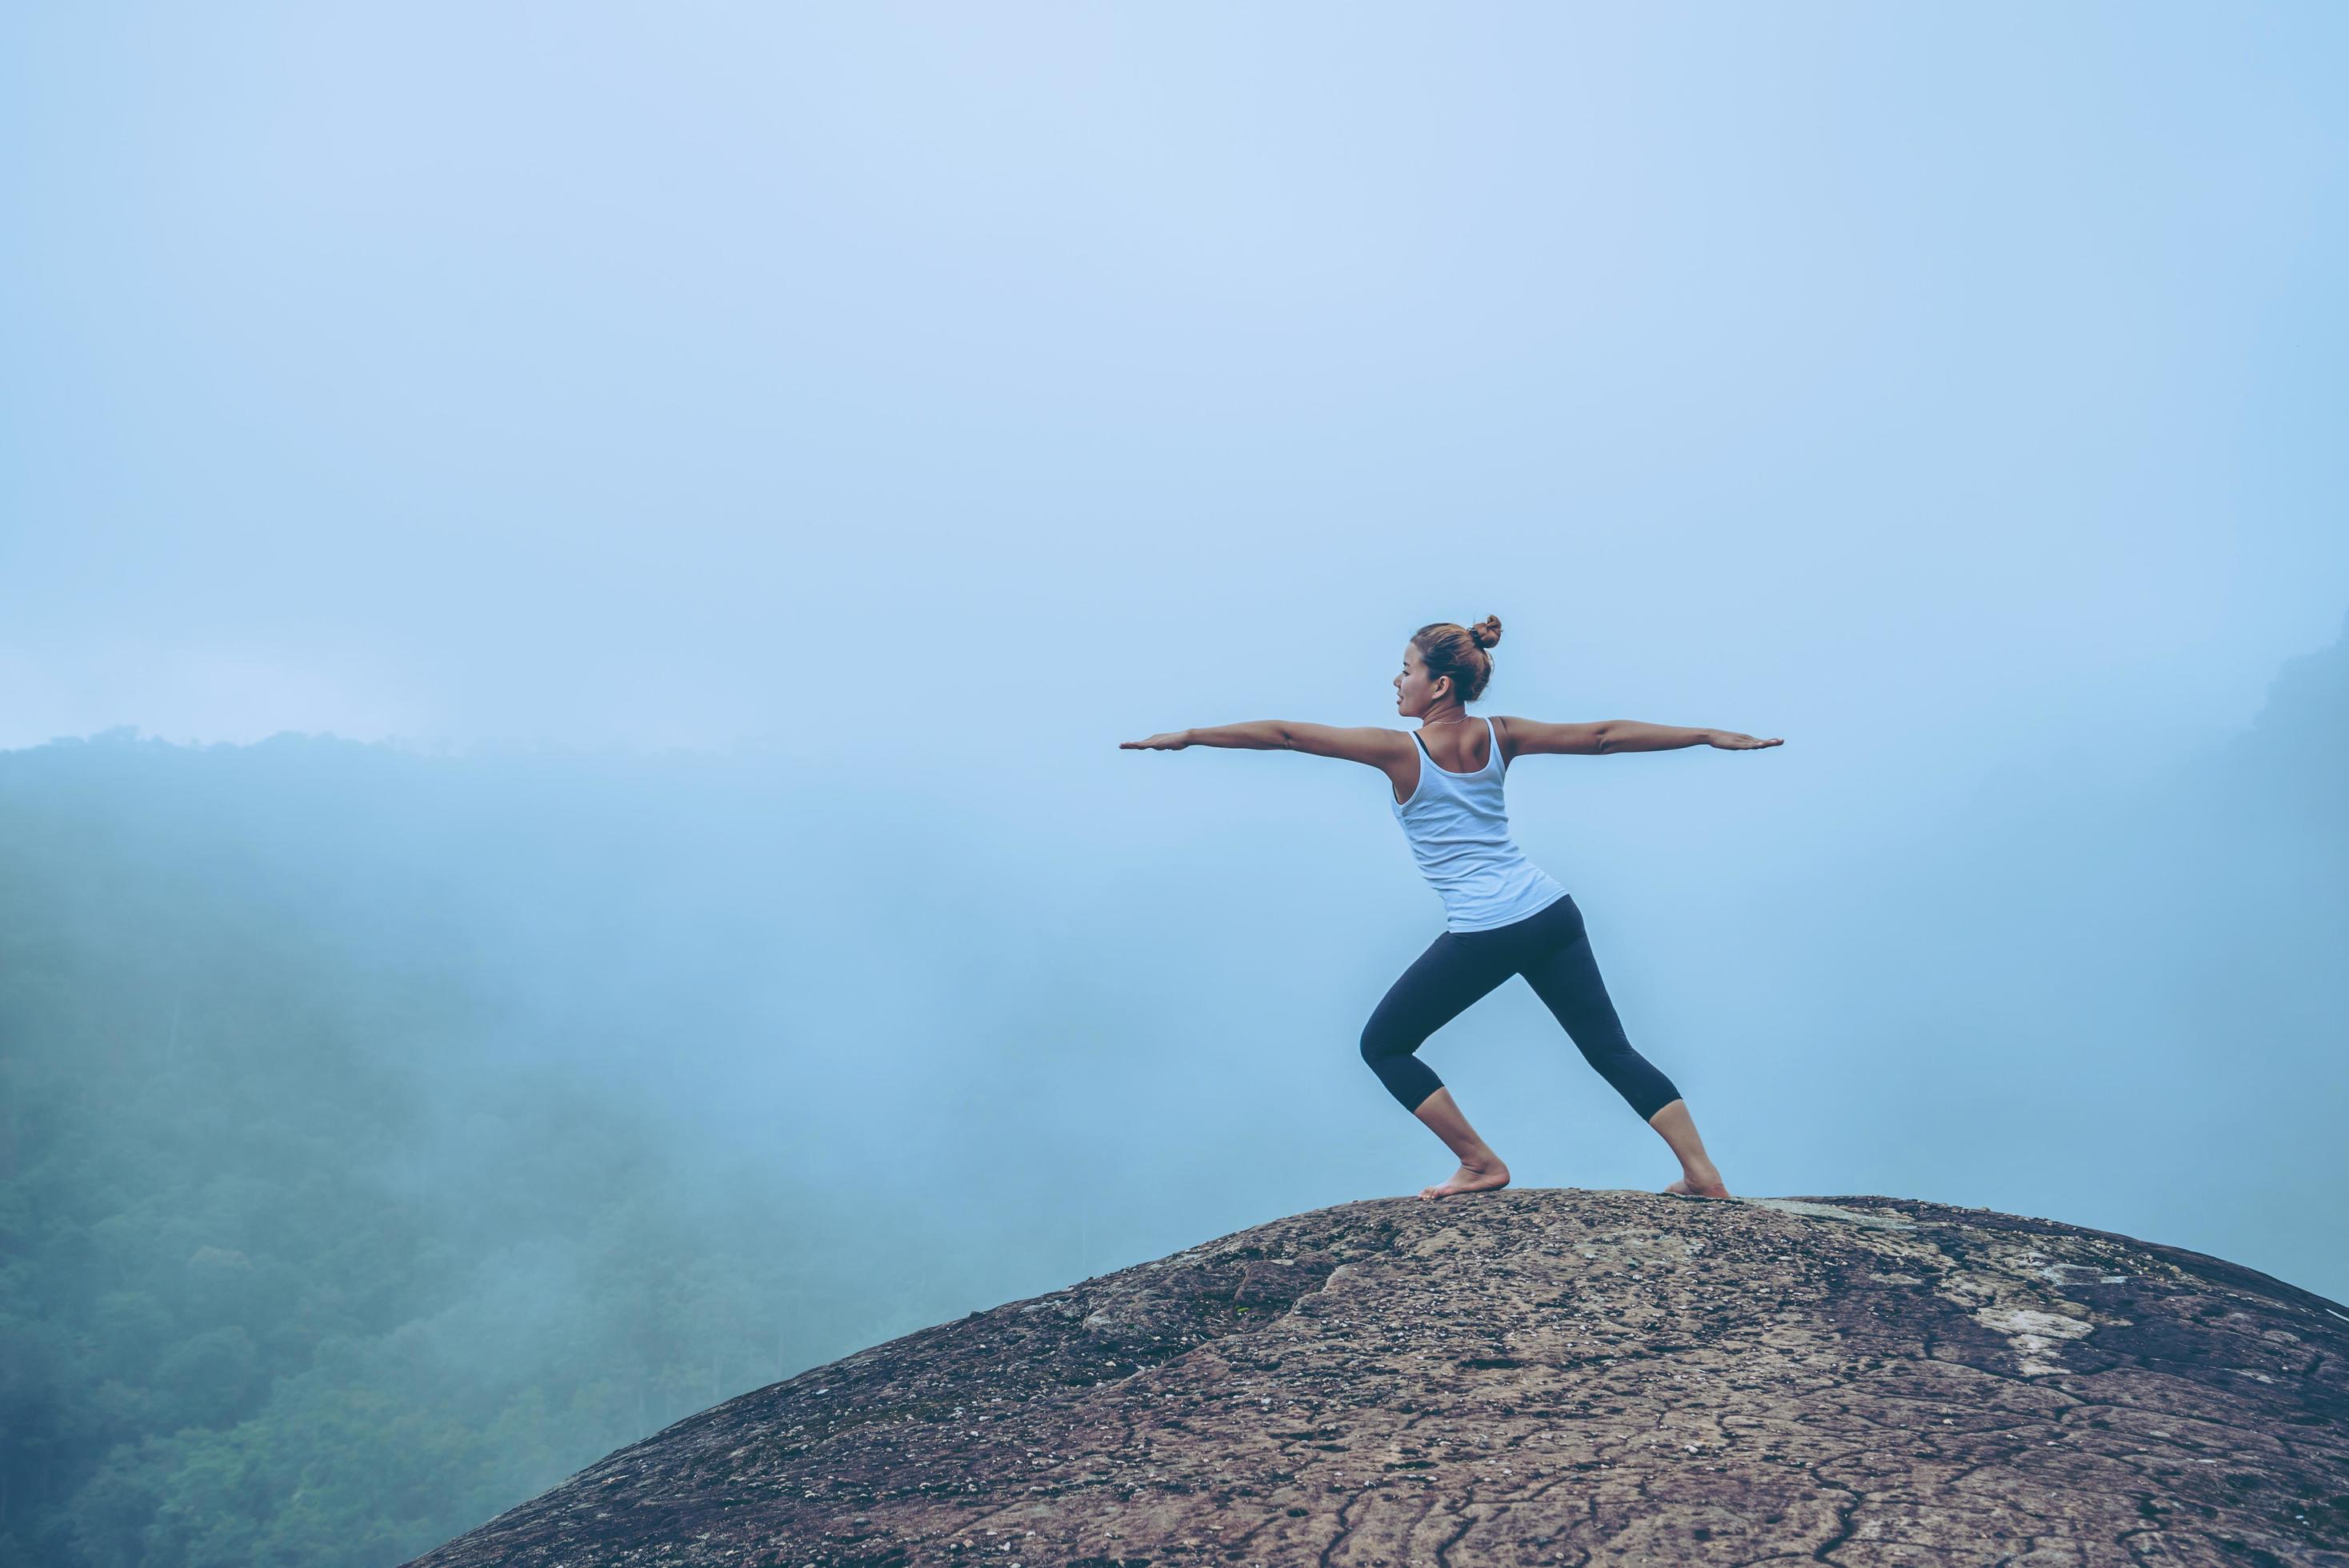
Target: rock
point(1529, 1377)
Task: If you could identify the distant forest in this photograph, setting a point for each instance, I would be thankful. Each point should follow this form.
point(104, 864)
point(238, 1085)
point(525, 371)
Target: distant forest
point(264, 1300)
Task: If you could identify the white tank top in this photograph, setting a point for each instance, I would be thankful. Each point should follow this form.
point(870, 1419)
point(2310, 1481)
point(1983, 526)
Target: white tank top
point(1459, 832)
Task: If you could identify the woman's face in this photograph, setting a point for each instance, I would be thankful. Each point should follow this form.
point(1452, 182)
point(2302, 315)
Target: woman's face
point(1414, 693)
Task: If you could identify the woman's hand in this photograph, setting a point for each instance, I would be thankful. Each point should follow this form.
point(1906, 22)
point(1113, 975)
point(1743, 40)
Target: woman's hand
point(1172, 740)
point(1730, 740)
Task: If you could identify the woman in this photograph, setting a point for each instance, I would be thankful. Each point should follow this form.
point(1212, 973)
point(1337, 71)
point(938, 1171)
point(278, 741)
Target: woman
point(1505, 916)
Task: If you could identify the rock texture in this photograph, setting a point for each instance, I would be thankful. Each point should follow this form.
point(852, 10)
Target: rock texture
point(1534, 1377)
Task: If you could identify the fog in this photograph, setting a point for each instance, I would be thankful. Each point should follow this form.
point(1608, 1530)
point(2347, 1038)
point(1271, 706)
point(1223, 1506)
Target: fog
point(570, 584)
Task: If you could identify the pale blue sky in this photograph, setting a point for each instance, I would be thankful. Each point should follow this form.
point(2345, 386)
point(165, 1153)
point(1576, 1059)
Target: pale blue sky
point(673, 375)
point(928, 397)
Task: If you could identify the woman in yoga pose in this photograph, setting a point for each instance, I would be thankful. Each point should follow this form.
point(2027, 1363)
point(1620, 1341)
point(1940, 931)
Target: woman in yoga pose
point(1504, 914)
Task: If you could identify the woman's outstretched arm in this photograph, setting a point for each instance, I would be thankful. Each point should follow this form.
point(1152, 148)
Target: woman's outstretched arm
point(1256, 735)
point(1607, 735)
point(1368, 743)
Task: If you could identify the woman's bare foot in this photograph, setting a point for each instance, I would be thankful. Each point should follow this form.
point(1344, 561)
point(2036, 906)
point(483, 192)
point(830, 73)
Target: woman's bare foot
point(1700, 1181)
point(1698, 1178)
point(1470, 1179)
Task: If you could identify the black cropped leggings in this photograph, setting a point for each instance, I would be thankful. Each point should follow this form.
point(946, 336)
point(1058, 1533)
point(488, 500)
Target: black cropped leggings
point(1552, 951)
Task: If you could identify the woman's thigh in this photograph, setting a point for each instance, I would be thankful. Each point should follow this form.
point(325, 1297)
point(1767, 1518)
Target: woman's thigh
point(1564, 974)
point(1441, 983)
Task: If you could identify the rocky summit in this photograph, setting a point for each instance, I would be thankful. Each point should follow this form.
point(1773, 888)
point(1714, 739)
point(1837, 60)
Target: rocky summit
point(1554, 1376)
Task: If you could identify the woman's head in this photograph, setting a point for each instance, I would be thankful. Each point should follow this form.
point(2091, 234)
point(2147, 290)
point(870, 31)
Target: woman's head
point(1445, 663)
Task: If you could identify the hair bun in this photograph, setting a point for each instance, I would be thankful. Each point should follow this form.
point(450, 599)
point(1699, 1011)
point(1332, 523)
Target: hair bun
point(1487, 632)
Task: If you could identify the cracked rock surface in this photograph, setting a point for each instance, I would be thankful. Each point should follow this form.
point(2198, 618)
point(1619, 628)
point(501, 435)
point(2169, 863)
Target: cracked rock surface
point(1529, 1377)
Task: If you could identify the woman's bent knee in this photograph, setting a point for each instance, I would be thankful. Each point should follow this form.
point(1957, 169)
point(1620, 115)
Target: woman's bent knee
point(1379, 1044)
